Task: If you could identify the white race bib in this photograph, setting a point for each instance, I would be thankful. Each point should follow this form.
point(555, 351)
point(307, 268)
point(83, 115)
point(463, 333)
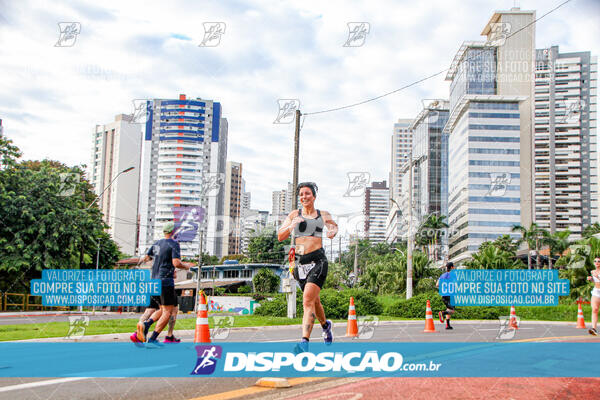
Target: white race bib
point(303, 270)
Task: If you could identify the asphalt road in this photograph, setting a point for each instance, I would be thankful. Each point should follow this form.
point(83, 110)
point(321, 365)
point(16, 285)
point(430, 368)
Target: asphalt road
point(187, 388)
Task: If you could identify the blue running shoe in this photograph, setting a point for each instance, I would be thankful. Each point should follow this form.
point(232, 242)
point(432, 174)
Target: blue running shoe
point(301, 347)
point(328, 333)
point(154, 344)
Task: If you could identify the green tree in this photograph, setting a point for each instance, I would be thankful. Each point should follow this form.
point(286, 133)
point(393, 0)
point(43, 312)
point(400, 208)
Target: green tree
point(504, 243)
point(558, 243)
point(591, 230)
point(430, 231)
point(264, 247)
point(265, 281)
point(577, 264)
point(534, 239)
point(492, 257)
point(45, 222)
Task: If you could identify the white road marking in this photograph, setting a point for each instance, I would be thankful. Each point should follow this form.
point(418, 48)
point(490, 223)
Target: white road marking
point(39, 383)
point(495, 329)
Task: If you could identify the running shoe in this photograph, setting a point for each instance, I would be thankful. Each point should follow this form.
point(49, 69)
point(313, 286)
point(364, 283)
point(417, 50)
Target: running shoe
point(449, 327)
point(154, 344)
point(593, 332)
point(301, 347)
point(328, 333)
point(141, 332)
point(441, 317)
point(135, 340)
point(171, 339)
point(146, 328)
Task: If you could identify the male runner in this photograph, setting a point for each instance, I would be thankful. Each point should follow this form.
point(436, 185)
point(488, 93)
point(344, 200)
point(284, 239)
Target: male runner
point(166, 254)
point(445, 315)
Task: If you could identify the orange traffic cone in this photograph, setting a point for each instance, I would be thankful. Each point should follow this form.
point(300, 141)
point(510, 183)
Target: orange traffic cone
point(429, 327)
point(202, 334)
point(580, 319)
point(352, 329)
point(513, 318)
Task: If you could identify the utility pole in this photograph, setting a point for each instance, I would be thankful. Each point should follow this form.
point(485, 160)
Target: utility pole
point(291, 297)
point(409, 257)
point(199, 276)
point(356, 258)
point(296, 151)
point(340, 249)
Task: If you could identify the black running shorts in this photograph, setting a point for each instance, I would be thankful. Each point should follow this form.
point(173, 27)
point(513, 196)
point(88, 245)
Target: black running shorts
point(446, 300)
point(168, 296)
point(317, 273)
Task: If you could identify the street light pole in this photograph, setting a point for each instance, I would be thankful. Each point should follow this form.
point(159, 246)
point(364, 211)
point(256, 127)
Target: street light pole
point(409, 256)
point(291, 297)
point(88, 207)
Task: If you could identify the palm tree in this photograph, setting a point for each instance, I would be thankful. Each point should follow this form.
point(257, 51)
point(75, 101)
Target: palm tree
point(491, 257)
point(533, 237)
point(558, 243)
point(591, 230)
point(430, 229)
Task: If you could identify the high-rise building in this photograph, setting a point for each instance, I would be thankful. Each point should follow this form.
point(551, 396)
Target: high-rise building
point(376, 208)
point(233, 207)
point(401, 145)
point(566, 153)
point(282, 202)
point(490, 127)
point(116, 147)
point(254, 221)
point(183, 166)
point(430, 160)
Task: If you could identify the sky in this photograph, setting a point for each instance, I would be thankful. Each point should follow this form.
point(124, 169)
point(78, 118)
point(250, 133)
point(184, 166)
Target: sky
point(52, 97)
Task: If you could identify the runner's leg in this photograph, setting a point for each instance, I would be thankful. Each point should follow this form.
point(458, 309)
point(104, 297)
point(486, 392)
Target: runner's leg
point(309, 298)
point(172, 320)
point(595, 306)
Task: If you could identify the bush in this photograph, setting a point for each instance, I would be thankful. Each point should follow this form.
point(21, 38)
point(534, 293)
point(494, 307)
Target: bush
point(219, 291)
point(265, 281)
point(244, 289)
point(334, 302)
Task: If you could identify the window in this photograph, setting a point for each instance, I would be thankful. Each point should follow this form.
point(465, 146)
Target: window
point(247, 273)
point(231, 274)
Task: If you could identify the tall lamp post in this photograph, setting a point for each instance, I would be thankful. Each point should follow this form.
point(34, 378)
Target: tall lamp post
point(88, 207)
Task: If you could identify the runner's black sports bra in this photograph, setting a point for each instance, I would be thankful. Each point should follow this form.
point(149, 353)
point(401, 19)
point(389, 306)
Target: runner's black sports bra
point(310, 226)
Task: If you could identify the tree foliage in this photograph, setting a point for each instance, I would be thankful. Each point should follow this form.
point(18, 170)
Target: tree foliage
point(264, 247)
point(265, 281)
point(44, 222)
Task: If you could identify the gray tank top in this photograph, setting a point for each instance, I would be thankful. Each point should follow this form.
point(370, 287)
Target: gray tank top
point(310, 226)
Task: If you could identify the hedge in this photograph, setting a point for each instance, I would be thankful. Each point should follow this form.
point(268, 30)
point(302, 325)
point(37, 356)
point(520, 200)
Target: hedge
point(335, 302)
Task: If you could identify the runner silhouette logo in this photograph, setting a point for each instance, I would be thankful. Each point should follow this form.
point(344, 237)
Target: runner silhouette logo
point(207, 359)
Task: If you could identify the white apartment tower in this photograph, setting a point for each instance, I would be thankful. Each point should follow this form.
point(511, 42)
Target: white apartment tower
point(183, 168)
point(566, 152)
point(376, 208)
point(116, 147)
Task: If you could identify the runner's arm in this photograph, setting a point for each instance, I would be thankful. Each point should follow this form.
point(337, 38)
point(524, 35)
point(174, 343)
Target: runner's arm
point(332, 227)
point(288, 225)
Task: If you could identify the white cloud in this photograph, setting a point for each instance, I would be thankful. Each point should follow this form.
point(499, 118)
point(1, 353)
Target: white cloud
point(53, 97)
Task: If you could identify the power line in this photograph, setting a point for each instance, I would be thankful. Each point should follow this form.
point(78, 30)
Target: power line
point(426, 78)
